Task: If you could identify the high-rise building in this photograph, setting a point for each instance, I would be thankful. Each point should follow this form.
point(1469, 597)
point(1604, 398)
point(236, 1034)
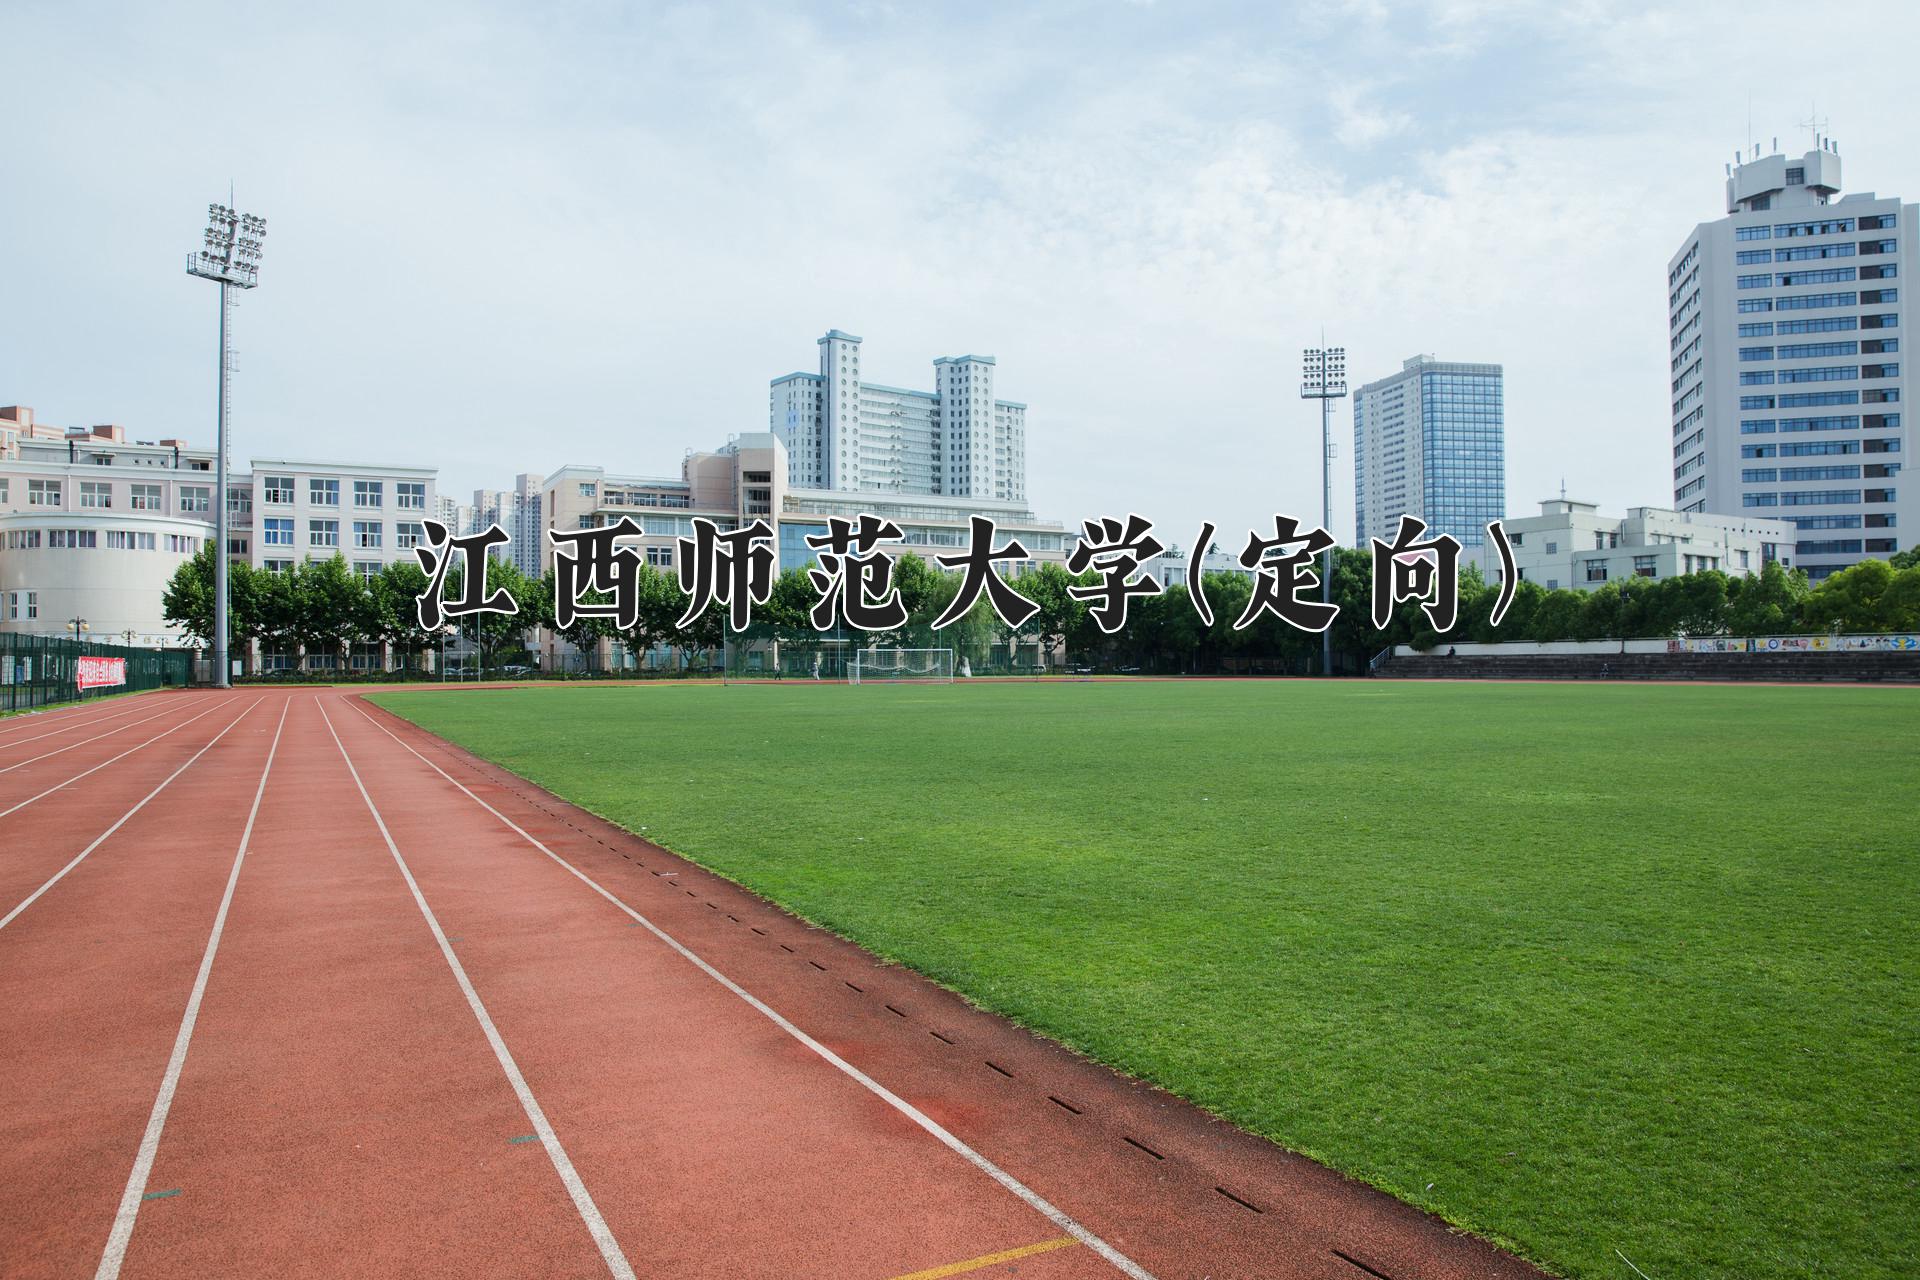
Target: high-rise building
point(518, 513)
point(1784, 333)
point(1430, 442)
point(843, 433)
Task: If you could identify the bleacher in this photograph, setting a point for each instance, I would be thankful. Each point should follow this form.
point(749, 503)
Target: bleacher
point(1843, 666)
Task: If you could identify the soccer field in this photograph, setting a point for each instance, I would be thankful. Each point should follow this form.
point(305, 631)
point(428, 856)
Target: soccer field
point(1582, 968)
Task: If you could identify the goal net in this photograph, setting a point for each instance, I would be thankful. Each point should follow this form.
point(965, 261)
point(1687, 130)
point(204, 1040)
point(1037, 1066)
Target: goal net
point(919, 666)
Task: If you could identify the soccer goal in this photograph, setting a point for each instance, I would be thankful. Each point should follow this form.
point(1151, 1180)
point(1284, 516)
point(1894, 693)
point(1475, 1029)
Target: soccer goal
point(895, 666)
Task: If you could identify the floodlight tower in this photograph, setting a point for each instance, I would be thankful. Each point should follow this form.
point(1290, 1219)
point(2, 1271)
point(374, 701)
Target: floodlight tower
point(1323, 377)
point(231, 258)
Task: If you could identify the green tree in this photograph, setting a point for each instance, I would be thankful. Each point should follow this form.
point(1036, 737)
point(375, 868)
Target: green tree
point(1768, 603)
point(187, 601)
point(327, 607)
point(1851, 599)
point(393, 615)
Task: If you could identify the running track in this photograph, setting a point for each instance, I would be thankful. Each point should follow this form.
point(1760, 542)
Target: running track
point(291, 988)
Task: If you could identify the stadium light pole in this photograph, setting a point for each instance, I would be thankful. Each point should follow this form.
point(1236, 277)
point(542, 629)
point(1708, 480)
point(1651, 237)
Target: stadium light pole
point(230, 257)
point(1323, 377)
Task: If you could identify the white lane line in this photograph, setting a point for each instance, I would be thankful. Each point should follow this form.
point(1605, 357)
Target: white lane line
point(48, 755)
point(80, 857)
point(64, 715)
point(582, 1200)
point(123, 1221)
point(68, 724)
point(217, 703)
point(1034, 1200)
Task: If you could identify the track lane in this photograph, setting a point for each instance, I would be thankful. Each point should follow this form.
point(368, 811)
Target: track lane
point(45, 778)
point(339, 1112)
point(723, 1110)
point(47, 844)
point(92, 982)
point(61, 748)
point(28, 732)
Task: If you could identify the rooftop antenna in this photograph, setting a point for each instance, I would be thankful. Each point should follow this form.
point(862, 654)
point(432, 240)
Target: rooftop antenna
point(1815, 124)
point(1563, 488)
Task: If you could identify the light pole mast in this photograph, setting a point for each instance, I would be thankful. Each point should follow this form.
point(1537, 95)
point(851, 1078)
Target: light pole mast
point(231, 259)
point(1323, 377)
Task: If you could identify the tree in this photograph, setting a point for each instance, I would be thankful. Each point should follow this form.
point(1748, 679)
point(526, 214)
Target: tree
point(328, 606)
point(1768, 603)
point(587, 629)
point(188, 600)
point(1851, 599)
point(393, 617)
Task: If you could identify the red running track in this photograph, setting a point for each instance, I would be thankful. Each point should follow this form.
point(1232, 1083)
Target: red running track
point(291, 988)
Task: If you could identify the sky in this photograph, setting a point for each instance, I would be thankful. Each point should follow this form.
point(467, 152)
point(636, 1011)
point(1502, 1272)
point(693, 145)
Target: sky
point(504, 240)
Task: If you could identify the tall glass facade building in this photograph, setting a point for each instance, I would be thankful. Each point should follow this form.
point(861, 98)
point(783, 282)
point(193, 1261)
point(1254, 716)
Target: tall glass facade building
point(1430, 442)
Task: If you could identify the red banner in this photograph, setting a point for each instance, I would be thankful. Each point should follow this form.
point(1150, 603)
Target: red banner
point(99, 673)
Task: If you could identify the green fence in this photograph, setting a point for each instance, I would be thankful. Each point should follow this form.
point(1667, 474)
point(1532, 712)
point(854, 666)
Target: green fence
point(38, 671)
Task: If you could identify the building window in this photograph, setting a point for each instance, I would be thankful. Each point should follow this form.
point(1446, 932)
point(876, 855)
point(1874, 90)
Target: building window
point(588, 489)
point(278, 491)
point(195, 498)
point(323, 493)
point(43, 493)
point(96, 493)
point(323, 533)
point(408, 535)
point(366, 570)
point(368, 493)
point(410, 495)
point(660, 557)
point(144, 497)
point(277, 566)
point(276, 533)
point(1646, 567)
point(1796, 176)
point(366, 534)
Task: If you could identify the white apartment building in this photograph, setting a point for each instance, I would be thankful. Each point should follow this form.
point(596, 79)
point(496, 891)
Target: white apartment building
point(287, 511)
point(1430, 442)
point(843, 433)
point(1787, 381)
point(93, 527)
point(1570, 544)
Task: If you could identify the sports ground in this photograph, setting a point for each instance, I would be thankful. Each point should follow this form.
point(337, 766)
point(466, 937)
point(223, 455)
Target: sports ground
point(1616, 976)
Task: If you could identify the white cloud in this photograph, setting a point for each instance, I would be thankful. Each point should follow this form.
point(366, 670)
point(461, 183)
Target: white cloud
point(499, 246)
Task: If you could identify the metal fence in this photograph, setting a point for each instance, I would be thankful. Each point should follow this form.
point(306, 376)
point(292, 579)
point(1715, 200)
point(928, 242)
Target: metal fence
point(38, 671)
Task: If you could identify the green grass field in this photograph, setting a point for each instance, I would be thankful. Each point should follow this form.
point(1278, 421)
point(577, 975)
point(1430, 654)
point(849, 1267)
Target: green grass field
point(1582, 968)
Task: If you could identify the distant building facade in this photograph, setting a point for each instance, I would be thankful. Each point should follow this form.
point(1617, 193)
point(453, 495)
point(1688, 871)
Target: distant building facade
point(1430, 441)
point(843, 433)
point(1787, 379)
point(93, 527)
point(1571, 545)
point(746, 480)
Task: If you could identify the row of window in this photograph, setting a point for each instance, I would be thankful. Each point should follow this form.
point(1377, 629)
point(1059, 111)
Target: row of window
point(1813, 350)
point(1772, 475)
point(89, 539)
point(367, 534)
point(1806, 448)
point(408, 495)
point(1816, 498)
point(1819, 373)
point(1819, 301)
point(1827, 227)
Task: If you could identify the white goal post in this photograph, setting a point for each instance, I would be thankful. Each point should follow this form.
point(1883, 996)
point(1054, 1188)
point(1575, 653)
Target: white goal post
point(897, 666)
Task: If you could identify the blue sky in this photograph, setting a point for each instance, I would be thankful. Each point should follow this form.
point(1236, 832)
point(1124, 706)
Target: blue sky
point(501, 240)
